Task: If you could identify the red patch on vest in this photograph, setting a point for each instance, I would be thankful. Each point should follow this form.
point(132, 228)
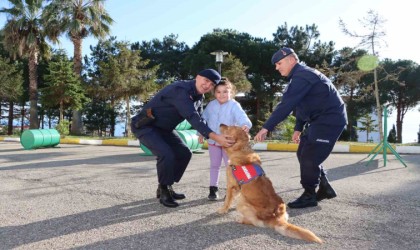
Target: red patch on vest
point(245, 174)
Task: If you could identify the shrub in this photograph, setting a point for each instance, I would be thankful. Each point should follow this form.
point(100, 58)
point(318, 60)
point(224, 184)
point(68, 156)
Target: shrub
point(63, 128)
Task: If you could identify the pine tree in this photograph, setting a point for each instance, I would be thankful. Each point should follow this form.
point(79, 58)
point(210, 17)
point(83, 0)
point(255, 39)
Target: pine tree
point(367, 125)
point(63, 87)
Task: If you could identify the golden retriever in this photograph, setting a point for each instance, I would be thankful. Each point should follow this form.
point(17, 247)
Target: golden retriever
point(257, 202)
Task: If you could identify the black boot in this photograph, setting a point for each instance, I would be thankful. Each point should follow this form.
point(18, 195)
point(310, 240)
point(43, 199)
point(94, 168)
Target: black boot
point(165, 197)
point(214, 193)
point(325, 190)
point(176, 196)
point(307, 199)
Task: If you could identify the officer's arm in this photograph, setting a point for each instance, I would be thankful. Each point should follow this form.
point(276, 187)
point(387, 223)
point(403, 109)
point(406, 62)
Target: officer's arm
point(291, 98)
point(299, 124)
point(221, 139)
point(185, 107)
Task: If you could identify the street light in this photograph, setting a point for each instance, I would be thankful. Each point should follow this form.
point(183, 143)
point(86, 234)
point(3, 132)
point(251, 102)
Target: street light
point(219, 58)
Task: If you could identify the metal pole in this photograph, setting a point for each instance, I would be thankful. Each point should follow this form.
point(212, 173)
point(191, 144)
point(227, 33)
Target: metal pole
point(384, 145)
point(385, 132)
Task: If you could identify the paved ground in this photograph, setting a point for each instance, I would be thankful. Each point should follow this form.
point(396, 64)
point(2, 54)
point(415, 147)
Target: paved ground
point(102, 197)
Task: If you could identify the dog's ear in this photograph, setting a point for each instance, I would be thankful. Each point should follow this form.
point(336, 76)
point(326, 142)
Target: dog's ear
point(242, 135)
point(223, 128)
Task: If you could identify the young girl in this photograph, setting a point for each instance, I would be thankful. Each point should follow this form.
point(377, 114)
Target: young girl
point(223, 110)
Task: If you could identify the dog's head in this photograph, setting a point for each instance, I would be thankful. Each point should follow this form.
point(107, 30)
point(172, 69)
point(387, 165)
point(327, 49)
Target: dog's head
point(237, 134)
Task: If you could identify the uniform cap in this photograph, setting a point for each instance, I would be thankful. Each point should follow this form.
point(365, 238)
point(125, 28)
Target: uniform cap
point(211, 74)
point(280, 54)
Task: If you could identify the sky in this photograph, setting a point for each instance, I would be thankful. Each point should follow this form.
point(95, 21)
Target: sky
point(144, 20)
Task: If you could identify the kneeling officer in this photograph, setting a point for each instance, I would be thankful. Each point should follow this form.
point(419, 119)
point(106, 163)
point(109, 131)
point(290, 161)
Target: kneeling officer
point(154, 127)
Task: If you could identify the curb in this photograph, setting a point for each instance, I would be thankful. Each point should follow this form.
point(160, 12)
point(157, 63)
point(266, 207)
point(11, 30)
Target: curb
point(338, 148)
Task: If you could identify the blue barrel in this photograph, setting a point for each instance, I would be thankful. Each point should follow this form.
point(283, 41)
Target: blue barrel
point(38, 138)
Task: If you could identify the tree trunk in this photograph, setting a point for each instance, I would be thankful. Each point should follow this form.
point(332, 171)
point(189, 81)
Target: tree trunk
point(10, 120)
point(22, 119)
point(33, 90)
point(378, 105)
point(112, 120)
point(400, 116)
point(399, 130)
point(41, 119)
point(127, 119)
point(76, 122)
point(351, 116)
point(61, 111)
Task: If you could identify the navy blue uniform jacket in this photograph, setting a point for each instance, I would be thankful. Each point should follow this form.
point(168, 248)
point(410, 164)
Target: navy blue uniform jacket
point(173, 104)
point(314, 97)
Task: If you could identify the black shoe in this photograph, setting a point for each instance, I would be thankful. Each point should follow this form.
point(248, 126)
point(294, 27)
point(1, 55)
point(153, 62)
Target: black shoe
point(165, 197)
point(307, 199)
point(214, 193)
point(325, 190)
point(176, 196)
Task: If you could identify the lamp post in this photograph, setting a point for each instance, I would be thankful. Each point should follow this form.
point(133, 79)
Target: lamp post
point(219, 58)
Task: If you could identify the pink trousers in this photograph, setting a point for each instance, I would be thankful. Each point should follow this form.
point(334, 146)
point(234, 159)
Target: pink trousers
point(216, 155)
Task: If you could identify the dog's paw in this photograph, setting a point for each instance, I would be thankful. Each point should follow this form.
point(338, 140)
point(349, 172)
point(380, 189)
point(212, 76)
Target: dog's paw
point(222, 210)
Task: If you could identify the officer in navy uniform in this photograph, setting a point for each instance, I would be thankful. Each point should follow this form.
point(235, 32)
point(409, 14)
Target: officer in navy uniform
point(170, 106)
point(320, 109)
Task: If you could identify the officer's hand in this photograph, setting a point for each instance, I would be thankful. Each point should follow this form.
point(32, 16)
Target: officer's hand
point(228, 141)
point(261, 135)
point(223, 140)
point(200, 139)
point(296, 137)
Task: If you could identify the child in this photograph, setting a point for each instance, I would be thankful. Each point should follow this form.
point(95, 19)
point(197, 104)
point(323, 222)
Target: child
point(223, 110)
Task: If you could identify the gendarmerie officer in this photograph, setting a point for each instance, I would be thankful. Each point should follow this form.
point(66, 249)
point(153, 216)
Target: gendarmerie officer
point(320, 109)
point(154, 127)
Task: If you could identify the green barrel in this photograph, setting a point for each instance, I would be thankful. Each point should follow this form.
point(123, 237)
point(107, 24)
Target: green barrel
point(193, 133)
point(184, 125)
point(190, 138)
point(46, 136)
point(38, 138)
point(55, 137)
point(146, 151)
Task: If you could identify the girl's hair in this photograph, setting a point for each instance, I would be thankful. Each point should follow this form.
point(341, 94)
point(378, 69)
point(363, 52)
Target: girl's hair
point(225, 82)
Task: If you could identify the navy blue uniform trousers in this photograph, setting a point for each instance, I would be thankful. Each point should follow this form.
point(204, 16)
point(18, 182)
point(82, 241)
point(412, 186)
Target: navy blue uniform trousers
point(172, 154)
point(316, 144)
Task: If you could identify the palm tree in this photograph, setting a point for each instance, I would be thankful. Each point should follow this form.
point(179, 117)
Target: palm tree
point(24, 36)
point(79, 19)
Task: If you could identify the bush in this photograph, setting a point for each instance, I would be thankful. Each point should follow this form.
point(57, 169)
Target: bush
point(3, 130)
point(17, 132)
point(345, 136)
point(63, 128)
point(392, 136)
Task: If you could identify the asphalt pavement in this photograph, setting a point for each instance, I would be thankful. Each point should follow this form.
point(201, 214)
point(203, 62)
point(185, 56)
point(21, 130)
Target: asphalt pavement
point(103, 197)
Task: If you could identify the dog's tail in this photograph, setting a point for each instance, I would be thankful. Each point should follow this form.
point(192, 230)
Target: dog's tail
point(296, 232)
point(293, 231)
